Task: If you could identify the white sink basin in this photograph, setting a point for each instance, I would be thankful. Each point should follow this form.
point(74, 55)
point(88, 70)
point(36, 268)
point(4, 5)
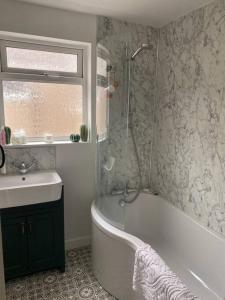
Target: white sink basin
point(32, 188)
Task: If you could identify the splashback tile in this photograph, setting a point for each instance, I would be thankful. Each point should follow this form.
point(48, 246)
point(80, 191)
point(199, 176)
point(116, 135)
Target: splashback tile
point(43, 158)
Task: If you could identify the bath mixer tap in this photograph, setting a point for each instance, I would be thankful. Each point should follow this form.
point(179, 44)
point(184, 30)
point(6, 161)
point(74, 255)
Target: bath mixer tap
point(125, 192)
point(115, 193)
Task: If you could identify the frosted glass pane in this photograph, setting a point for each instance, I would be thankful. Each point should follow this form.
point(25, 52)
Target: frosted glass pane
point(40, 108)
point(41, 60)
point(101, 67)
point(101, 111)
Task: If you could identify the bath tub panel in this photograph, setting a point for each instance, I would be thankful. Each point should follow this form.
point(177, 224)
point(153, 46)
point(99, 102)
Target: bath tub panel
point(113, 265)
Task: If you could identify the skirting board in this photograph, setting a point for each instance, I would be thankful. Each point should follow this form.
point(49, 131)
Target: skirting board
point(78, 242)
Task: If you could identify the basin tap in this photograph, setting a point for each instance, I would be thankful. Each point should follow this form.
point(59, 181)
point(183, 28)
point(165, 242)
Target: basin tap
point(24, 168)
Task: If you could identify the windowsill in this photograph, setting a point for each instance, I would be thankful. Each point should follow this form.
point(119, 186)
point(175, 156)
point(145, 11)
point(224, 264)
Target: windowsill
point(42, 144)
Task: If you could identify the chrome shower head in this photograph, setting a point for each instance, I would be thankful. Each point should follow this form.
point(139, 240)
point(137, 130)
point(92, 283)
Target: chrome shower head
point(143, 47)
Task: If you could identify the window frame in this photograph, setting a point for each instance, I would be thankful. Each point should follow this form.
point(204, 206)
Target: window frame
point(102, 81)
point(18, 74)
point(45, 48)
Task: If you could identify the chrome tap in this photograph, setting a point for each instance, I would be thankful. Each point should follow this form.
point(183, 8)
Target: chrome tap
point(24, 168)
point(125, 192)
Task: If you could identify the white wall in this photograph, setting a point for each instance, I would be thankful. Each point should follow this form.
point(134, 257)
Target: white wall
point(75, 163)
point(27, 18)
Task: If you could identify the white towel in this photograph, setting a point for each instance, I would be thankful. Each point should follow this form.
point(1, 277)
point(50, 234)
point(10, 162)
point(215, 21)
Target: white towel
point(154, 280)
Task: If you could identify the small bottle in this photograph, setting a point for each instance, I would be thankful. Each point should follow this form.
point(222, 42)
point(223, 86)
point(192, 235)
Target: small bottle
point(2, 137)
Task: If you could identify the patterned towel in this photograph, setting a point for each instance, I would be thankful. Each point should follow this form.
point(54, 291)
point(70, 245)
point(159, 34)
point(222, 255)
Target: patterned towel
point(154, 280)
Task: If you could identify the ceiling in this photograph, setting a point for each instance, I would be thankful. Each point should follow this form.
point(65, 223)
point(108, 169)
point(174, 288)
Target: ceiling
point(149, 12)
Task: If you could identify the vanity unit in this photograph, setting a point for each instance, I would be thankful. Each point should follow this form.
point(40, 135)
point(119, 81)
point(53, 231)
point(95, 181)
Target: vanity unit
point(32, 222)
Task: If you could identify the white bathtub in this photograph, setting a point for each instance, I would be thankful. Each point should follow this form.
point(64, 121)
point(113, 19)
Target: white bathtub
point(194, 253)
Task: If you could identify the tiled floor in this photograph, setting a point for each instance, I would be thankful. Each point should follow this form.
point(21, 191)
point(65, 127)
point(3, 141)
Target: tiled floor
point(77, 283)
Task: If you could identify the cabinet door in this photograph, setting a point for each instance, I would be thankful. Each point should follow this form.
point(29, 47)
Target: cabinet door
point(42, 239)
point(14, 240)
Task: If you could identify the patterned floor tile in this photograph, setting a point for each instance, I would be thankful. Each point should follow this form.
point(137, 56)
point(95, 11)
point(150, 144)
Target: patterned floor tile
point(77, 283)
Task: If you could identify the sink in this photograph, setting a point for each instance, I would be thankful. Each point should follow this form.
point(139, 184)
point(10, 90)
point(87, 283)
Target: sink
point(32, 188)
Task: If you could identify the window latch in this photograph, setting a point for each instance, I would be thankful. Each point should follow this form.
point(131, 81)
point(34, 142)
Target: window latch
point(50, 75)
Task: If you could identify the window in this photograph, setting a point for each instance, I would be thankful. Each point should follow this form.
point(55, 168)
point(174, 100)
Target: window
point(43, 89)
point(101, 92)
point(22, 59)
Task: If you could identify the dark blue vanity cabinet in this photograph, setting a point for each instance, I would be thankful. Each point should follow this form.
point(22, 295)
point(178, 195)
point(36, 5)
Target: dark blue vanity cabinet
point(33, 238)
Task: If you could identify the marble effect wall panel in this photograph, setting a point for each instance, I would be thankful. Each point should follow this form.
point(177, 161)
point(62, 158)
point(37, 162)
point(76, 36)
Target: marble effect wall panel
point(115, 35)
point(189, 144)
point(188, 159)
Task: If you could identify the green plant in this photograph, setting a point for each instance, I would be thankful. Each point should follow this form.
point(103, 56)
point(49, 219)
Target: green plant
point(75, 137)
point(84, 133)
point(7, 134)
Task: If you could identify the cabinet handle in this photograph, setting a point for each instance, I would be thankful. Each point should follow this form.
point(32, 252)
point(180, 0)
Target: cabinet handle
point(30, 227)
point(23, 228)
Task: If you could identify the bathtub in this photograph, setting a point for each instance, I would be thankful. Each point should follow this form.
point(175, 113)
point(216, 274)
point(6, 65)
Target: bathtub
point(194, 253)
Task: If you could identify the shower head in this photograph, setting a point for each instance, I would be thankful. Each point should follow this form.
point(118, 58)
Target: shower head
point(143, 47)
